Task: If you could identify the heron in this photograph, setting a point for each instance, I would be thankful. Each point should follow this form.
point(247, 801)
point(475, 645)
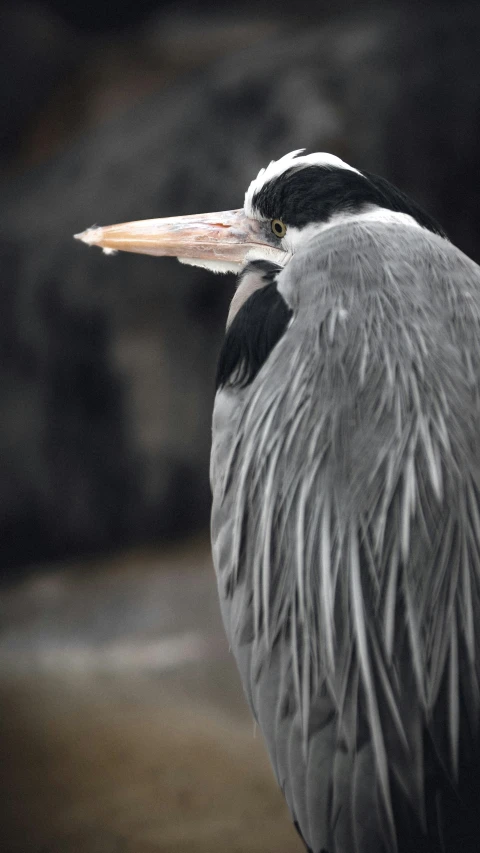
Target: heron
point(345, 472)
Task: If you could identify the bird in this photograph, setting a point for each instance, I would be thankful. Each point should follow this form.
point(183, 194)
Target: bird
point(345, 474)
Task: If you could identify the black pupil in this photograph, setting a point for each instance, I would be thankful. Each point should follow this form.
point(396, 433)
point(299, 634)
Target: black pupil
point(278, 228)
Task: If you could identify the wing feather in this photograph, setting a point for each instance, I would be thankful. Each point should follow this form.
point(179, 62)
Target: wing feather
point(346, 532)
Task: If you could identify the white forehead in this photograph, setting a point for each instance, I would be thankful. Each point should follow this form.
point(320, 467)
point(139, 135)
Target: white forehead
point(290, 161)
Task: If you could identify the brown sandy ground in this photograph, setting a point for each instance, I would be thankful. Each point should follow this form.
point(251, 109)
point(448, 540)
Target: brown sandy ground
point(108, 758)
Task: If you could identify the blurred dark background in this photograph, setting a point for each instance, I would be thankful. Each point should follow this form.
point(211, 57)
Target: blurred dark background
point(124, 111)
point(118, 111)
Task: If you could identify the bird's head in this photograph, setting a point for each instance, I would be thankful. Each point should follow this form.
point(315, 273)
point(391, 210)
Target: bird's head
point(285, 206)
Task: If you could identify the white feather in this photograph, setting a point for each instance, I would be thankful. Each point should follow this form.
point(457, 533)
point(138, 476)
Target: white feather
point(214, 266)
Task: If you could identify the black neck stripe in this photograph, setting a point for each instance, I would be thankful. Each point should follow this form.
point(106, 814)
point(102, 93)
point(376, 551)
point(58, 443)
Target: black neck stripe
point(252, 335)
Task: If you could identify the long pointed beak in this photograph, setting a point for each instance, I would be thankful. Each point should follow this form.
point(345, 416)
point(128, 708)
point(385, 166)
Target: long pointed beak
point(226, 237)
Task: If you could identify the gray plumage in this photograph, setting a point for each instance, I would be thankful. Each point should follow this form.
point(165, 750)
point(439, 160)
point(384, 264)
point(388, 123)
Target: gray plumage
point(346, 532)
point(346, 497)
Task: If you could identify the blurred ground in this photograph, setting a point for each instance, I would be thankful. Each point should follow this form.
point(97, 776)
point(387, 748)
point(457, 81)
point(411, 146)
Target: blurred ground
point(122, 722)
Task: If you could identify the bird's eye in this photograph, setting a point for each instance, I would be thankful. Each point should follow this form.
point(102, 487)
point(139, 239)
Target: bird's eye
point(279, 228)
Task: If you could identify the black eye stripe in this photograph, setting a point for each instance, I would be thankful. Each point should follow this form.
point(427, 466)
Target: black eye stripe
point(315, 193)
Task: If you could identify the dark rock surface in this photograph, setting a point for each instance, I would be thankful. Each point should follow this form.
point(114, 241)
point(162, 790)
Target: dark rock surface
point(108, 363)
